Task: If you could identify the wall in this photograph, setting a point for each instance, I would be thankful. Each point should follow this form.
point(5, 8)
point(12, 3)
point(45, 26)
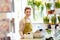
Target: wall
point(2, 15)
point(17, 14)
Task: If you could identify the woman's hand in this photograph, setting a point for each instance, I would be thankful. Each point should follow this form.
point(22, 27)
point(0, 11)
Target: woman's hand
point(21, 34)
point(22, 37)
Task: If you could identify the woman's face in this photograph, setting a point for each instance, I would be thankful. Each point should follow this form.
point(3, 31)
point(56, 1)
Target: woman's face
point(28, 12)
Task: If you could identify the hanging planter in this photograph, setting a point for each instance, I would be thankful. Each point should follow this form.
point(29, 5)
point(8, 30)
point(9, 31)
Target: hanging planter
point(37, 4)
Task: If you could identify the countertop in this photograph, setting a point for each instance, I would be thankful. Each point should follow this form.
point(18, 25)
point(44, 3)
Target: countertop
point(30, 39)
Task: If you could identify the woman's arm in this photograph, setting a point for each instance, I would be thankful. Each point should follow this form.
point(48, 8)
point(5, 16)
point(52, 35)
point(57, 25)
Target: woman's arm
point(21, 28)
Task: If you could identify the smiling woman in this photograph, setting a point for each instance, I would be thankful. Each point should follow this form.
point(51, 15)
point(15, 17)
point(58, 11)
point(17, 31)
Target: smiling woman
point(25, 26)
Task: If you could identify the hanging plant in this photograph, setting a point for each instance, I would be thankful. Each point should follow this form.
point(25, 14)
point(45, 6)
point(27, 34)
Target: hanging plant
point(31, 3)
point(36, 3)
point(42, 8)
point(39, 4)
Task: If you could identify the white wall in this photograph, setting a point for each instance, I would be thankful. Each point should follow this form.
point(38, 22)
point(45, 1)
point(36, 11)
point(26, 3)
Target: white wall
point(17, 14)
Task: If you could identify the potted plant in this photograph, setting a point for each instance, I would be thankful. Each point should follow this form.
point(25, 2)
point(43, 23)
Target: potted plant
point(48, 31)
point(46, 20)
point(48, 5)
point(59, 19)
point(53, 19)
point(38, 4)
point(57, 4)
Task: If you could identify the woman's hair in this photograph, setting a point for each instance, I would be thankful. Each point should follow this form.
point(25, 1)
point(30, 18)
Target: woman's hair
point(26, 8)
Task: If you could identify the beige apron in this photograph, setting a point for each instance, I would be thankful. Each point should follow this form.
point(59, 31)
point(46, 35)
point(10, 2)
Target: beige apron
point(27, 28)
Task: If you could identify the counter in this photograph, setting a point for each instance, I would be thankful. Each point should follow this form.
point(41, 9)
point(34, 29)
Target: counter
point(30, 39)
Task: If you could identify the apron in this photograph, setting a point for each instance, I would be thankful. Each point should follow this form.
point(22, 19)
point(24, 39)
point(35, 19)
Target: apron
point(27, 28)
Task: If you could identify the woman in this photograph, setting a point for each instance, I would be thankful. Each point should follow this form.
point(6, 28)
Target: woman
point(25, 25)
